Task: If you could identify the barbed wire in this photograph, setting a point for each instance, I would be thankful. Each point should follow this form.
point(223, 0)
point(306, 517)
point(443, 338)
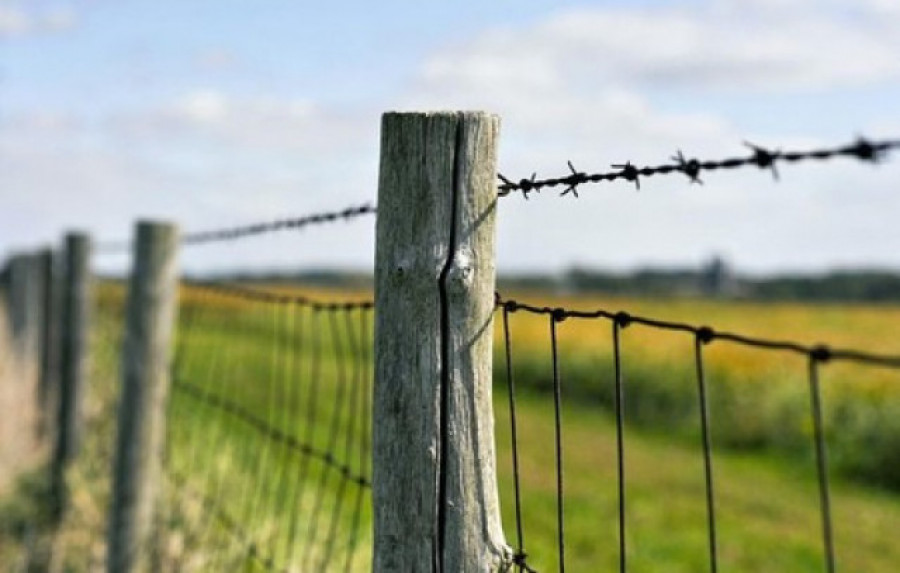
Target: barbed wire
point(242, 231)
point(761, 157)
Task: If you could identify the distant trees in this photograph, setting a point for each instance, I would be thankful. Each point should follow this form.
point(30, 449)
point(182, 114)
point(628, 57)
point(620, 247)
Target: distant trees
point(716, 279)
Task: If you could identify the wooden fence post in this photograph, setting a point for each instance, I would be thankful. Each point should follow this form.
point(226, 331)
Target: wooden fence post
point(15, 303)
point(75, 293)
point(24, 308)
point(434, 486)
point(47, 394)
point(150, 316)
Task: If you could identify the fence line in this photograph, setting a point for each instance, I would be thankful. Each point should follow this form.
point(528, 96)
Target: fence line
point(257, 447)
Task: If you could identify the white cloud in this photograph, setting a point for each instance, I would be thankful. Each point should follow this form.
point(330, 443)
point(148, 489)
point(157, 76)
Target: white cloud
point(203, 107)
point(17, 21)
point(765, 46)
point(213, 118)
point(59, 19)
point(13, 21)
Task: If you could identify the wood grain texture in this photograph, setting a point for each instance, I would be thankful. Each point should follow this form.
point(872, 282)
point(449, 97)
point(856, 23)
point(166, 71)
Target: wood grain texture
point(436, 204)
point(147, 355)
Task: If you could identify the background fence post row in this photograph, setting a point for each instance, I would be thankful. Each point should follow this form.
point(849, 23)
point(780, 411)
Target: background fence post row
point(434, 487)
point(150, 316)
point(76, 298)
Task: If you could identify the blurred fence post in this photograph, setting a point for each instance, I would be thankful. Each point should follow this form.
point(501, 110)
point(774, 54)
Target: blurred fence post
point(48, 394)
point(16, 303)
point(75, 299)
point(150, 316)
point(24, 309)
point(434, 486)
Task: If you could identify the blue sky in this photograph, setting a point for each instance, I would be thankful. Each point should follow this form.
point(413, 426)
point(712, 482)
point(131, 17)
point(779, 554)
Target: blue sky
point(220, 112)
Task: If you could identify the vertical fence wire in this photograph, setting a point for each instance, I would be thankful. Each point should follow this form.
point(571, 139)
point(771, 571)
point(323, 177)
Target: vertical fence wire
point(294, 484)
point(617, 325)
point(520, 554)
point(821, 461)
point(557, 421)
point(706, 442)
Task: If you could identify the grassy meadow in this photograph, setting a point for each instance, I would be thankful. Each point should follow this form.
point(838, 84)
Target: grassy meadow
point(234, 493)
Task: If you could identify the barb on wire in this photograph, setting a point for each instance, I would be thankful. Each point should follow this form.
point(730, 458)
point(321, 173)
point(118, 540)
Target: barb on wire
point(239, 232)
point(761, 157)
point(690, 167)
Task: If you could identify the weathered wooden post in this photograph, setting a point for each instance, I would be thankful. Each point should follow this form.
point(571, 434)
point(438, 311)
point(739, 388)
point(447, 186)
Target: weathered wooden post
point(48, 386)
point(434, 487)
point(75, 299)
point(150, 315)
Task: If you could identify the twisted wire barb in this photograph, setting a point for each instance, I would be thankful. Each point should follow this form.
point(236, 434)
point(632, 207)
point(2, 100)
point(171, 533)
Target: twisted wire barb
point(764, 158)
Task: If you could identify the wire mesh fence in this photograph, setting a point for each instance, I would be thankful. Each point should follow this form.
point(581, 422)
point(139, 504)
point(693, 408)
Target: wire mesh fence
point(606, 383)
point(269, 431)
point(268, 450)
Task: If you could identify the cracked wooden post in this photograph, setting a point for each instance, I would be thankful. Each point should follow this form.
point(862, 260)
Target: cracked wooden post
point(146, 360)
point(434, 483)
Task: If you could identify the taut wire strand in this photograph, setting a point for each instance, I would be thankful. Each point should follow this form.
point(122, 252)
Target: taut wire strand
point(761, 158)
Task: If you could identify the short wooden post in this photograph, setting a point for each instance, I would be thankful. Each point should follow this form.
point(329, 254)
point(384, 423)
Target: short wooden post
point(147, 356)
point(49, 344)
point(75, 298)
point(434, 487)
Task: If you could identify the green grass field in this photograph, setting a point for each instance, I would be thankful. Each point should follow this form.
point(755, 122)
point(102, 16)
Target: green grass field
point(264, 359)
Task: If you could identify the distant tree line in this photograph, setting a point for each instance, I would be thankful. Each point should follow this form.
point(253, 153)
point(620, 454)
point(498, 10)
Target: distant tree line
point(715, 279)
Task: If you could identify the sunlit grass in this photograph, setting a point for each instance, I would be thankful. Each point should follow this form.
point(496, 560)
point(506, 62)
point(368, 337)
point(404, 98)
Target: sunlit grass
point(261, 357)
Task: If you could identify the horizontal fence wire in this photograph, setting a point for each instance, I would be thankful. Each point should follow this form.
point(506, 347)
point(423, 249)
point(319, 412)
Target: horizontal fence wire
point(816, 356)
point(226, 234)
point(760, 157)
point(269, 444)
point(707, 334)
